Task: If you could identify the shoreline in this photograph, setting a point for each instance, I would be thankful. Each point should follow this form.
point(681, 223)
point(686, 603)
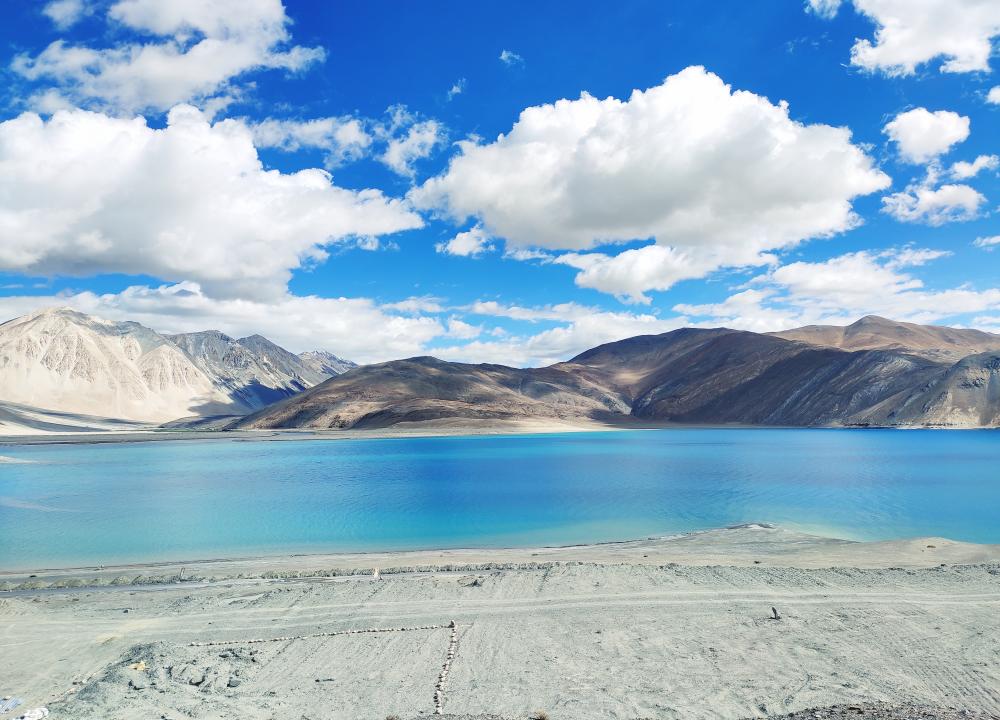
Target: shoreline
point(748, 545)
point(514, 428)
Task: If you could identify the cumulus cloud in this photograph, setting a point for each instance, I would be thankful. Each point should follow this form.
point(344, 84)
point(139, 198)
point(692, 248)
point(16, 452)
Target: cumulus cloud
point(840, 290)
point(987, 243)
point(418, 142)
point(962, 170)
point(196, 50)
point(922, 135)
point(993, 96)
point(922, 203)
point(469, 243)
point(459, 329)
point(84, 193)
point(910, 33)
point(714, 177)
point(652, 267)
point(342, 139)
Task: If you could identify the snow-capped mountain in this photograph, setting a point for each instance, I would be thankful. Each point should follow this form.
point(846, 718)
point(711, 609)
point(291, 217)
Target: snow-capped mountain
point(65, 361)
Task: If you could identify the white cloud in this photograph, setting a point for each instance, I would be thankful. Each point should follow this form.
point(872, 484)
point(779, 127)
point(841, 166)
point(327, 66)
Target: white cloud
point(580, 329)
point(64, 14)
point(934, 206)
point(508, 57)
point(416, 305)
point(824, 8)
point(652, 267)
point(911, 257)
point(910, 33)
point(469, 243)
point(343, 139)
point(962, 170)
point(987, 243)
point(462, 330)
point(419, 141)
point(562, 311)
point(993, 96)
point(715, 177)
point(201, 48)
point(840, 290)
point(922, 135)
point(457, 88)
point(987, 323)
point(84, 193)
point(400, 138)
point(355, 328)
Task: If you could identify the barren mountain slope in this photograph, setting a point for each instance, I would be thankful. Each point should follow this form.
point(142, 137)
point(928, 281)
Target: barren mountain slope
point(967, 395)
point(877, 333)
point(63, 360)
point(689, 376)
point(425, 388)
point(325, 363)
point(253, 371)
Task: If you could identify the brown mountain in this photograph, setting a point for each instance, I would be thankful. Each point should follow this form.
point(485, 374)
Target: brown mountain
point(877, 333)
point(691, 376)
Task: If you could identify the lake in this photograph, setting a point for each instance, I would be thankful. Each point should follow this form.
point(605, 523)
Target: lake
point(82, 504)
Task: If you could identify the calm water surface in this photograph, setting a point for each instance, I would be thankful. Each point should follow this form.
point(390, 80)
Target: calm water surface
point(90, 504)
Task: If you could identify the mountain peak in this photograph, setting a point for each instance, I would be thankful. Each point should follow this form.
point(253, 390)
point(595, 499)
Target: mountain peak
point(874, 320)
point(59, 311)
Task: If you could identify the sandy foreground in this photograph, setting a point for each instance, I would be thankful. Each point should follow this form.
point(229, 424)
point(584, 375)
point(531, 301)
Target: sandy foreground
point(667, 628)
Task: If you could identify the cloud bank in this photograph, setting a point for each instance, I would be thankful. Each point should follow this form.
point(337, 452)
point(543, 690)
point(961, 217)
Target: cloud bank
point(714, 177)
point(84, 193)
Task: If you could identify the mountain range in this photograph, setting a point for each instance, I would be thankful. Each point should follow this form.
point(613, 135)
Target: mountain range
point(59, 367)
point(59, 363)
point(875, 372)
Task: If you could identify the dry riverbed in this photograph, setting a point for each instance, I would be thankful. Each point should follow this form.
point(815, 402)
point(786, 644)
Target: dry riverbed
point(670, 628)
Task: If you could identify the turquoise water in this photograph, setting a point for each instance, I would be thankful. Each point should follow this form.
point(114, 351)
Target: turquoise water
point(93, 504)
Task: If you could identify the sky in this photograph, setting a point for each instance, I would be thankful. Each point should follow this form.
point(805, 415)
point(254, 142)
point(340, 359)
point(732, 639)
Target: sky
point(499, 182)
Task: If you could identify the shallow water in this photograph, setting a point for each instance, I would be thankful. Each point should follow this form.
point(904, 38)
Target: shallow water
point(134, 502)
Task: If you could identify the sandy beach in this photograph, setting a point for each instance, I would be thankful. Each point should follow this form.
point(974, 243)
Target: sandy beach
point(657, 628)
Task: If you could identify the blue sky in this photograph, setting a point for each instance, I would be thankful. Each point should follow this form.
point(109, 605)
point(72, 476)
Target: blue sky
point(359, 176)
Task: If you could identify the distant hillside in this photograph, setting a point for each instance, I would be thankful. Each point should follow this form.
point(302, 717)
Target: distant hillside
point(253, 371)
point(689, 376)
point(876, 333)
point(325, 363)
point(426, 389)
point(62, 369)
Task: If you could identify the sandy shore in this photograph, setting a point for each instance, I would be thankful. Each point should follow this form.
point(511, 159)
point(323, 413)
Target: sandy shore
point(437, 428)
point(667, 628)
